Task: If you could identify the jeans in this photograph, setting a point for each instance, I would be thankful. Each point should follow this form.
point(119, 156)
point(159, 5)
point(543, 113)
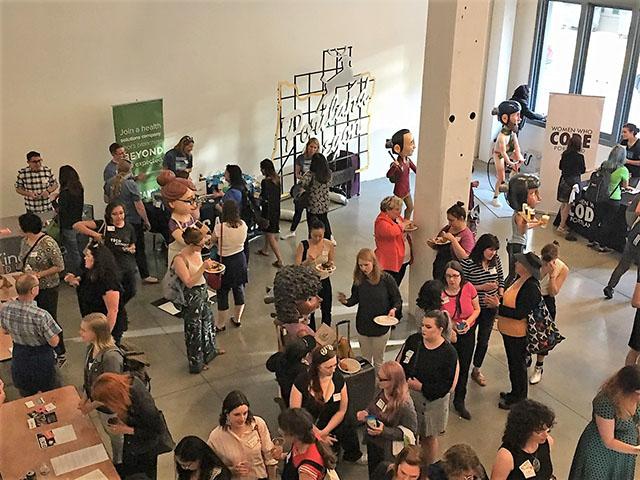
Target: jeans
point(485, 326)
point(297, 216)
point(222, 296)
point(71, 250)
point(516, 350)
point(464, 346)
point(324, 218)
point(47, 299)
point(326, 294)
point(630, 255)
point(512, 250)
point(141, 256)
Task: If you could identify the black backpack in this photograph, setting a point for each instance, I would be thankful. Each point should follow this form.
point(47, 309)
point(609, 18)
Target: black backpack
point(598, 187)
point(250, 211)
point(135, 365)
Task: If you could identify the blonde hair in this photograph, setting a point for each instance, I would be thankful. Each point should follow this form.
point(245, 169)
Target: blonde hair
point(124, 168)
point(310, 142)
point(394, 372)
point(389, 203)
point(367, 255)
point(99, 325)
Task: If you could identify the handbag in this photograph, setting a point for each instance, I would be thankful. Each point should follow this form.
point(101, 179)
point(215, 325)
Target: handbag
point(564, 189)
point(300, 196)
point(214, 280)
point(165, 440)
point(172, 286)
point(542, 333)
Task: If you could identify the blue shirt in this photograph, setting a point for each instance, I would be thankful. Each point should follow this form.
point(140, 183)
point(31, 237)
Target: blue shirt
point(28, 324)
point(110, 171)
point(235, 195)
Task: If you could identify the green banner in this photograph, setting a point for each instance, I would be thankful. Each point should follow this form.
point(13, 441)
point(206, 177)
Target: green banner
point(139, 127)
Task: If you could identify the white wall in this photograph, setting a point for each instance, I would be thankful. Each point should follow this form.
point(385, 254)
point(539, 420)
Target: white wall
point(216, 64)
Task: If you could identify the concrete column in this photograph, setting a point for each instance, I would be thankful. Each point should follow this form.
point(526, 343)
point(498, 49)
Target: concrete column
point(455, 51)
point(503, 17)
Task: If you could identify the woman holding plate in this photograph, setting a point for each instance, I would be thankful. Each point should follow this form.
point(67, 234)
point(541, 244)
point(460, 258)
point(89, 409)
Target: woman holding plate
point(319, 253)
point(377, 295)
point(455, 229)
point(197, 315)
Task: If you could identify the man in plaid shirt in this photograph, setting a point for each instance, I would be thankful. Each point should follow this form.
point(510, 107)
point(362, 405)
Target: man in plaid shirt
point(34, 333)
point(36, 184)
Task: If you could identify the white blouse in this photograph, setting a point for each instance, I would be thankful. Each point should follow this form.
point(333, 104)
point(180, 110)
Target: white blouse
point(232, 238)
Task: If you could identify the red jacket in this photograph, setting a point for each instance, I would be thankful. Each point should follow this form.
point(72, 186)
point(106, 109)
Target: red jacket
point(389, 237)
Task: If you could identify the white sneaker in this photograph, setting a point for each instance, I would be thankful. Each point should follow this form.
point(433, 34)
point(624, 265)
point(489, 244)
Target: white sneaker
point(537, 376)
point(288, 235)
point(333, 240)
point(496, 203)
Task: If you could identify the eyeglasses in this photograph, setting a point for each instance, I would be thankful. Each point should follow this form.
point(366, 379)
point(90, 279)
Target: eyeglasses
point(381, 379)
point(191, 201)
point(452, 275)
point(326, 349)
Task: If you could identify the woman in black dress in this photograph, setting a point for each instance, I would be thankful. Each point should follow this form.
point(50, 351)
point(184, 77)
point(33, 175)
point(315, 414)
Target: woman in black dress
point(572, 167)
point(270, 198)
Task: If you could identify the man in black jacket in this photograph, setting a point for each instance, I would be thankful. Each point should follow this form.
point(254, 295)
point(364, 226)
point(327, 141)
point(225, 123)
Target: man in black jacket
point(521, 95)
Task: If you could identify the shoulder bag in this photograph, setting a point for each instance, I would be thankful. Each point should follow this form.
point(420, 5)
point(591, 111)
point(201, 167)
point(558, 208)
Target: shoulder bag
point(542, 333)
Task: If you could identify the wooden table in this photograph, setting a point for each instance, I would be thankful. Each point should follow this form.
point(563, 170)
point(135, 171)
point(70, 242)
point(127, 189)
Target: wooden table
point(19, 449)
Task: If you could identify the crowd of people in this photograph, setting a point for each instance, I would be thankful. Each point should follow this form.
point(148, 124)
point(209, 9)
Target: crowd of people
point(320, 419)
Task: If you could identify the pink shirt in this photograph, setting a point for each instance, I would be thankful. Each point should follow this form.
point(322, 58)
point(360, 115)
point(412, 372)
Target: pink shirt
point(466, 239)
point(465, 308)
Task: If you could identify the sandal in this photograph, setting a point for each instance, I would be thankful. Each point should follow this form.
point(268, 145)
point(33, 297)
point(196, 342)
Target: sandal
point(219, 329)
point(277, 264)
point(234, 323)
point(263, 253)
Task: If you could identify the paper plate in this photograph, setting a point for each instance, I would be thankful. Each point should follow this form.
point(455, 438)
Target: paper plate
point(441, 241)
point(218, 268)
point(386, 320)
point(349, 365)
point(321, 269)
point(412, 228)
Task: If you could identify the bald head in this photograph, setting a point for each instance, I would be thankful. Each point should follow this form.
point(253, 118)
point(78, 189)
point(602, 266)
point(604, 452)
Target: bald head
point(25, 283)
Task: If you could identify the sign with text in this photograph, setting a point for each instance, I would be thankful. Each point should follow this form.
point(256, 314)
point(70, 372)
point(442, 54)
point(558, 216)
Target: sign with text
point(569, 115)
point(139, 127)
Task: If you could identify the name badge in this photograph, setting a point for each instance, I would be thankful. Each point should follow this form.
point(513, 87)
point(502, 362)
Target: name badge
point(33, 254)
point(445, 300)
point(337, 397)
point(407, 356)
point(253, 441)
point(493, 271)
point(527, 469)
point(111, 228)
point(381, 405)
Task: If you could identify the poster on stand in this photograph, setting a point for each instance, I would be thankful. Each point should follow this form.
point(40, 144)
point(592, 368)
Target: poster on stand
point(139, 127)
point(568, 115)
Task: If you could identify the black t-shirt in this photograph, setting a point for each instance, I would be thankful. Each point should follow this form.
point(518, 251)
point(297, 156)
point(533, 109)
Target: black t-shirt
point(91, 290)
point(523, 463)
point(321, 412)
point(633, 153)
point(117, 239)
point(69, 208)
point(572, 164)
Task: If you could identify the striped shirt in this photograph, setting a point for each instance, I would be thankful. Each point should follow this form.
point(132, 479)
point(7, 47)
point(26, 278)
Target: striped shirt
point(477, 275)
point(36, 182)
point(28, 324)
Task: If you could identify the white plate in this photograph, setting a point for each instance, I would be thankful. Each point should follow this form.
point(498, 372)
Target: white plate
point(321, 269)
point(352, 365)
point(218, 270)
point(444, 242)
point(386, 320)
point(412, 228)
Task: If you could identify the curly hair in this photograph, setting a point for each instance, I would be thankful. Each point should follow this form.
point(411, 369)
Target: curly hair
point(293, 283)
point(525, 418)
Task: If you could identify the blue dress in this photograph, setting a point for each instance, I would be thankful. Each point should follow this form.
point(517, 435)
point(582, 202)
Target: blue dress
point(592, 460)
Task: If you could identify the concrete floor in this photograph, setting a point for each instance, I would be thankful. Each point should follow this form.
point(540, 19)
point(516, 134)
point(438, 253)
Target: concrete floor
point(597, 332)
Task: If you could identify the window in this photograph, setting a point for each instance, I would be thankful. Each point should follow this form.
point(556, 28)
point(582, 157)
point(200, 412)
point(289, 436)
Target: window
point(560, 36)
point(587, 48)
point(605, 59)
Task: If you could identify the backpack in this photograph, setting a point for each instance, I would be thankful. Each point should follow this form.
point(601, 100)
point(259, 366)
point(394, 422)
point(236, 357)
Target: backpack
point(598, 187)
point(250, 211)
point(172, 287)
point(134, 364)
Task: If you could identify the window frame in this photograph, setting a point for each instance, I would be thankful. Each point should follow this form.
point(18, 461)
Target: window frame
point(630, 66)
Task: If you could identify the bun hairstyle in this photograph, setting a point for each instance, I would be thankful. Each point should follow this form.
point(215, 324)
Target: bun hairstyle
point(457, 211)
point(192, 235)
point(173, 188)
point(550, 251)
point(631, 127)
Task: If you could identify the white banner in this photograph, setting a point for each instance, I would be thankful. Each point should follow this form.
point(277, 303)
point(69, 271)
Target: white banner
point(568, 115)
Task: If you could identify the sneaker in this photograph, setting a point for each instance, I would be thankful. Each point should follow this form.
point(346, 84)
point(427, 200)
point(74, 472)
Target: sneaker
point(496, 203)
point(608, 292)
point(562, 230)
point(61, 360)
point(288, 235)
point(537, 376)
point(150, 280)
